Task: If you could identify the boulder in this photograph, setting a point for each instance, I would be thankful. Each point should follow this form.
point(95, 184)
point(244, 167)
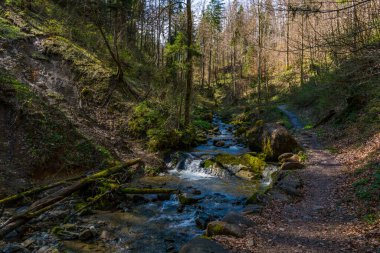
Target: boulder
point(219, 143)
point(216, 168)
point(246, 174)
point(292, 166)
point(271, 139)
point(188, 199)
point(256, 198)
point(223, 228)
point(291, 185)
point(244, 166)
point(237, 219)
point(202, 219)
point(202, 245)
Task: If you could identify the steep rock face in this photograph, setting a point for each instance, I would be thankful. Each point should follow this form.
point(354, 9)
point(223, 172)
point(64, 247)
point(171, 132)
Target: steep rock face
point(272, 139)
point(25, 59)
point(38, 140)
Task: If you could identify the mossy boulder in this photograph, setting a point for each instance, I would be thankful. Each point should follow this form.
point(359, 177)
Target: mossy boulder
point(290, 183)
point(223, 228)
point(238, 219)
point(215, 168)
point(256, 198)
point(188, 199)
point(272, 139)
point(245, 166)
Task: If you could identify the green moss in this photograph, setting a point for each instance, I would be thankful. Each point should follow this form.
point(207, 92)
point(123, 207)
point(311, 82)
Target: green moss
point(151, 171)
point(303, 156)
point(202, 124)
point(208, 163)
point(80, 206)
point(254, 163)
point(217, 229)
point(9, 31)
point(228, 159)
point(367, 188)
point(267, 147)
point(372, 218)
point(57, 230)
point(256, 197)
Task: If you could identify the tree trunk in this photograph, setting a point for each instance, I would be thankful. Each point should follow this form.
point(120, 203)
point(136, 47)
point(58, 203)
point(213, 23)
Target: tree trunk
point(189, 75)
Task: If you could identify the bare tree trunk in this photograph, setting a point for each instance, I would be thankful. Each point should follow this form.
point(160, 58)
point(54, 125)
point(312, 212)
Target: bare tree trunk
point(189, 75)
point(302, 50)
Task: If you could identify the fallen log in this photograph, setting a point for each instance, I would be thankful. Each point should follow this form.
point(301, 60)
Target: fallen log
point(48, 202)
point(125, 191)
point(36, 190)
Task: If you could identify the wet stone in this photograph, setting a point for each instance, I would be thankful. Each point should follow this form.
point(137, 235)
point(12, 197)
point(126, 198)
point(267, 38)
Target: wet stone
point(291, 185)
point(237, 219)
point(202, 219)
point(188, 199)
point(224, 228)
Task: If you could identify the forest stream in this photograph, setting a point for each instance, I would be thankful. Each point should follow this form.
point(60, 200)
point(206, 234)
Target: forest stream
point(164, 225)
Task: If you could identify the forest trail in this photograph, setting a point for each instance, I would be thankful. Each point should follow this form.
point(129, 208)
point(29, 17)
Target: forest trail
point(315, 223)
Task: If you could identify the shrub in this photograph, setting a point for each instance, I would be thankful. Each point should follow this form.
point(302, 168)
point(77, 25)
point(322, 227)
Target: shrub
point(144, 118)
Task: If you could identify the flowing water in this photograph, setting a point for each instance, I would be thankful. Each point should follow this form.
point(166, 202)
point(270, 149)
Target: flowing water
point(162, 225)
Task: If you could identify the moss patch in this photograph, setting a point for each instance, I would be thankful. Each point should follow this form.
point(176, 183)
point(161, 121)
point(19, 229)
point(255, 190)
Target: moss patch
point(9, 31)
point(254, 163)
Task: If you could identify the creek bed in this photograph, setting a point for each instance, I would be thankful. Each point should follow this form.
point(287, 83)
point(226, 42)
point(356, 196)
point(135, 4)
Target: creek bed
point(159, 225)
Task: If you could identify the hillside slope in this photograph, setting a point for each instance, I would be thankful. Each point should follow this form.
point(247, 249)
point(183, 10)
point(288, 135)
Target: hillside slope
point(55, 96)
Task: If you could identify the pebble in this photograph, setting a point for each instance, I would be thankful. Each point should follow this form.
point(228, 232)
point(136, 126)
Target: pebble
point(250, 242)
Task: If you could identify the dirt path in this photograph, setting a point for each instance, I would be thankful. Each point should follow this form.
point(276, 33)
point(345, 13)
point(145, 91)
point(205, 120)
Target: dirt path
point(317, 222)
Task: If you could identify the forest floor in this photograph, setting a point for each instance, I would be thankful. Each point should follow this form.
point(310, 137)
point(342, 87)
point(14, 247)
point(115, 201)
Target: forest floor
point(321, 220)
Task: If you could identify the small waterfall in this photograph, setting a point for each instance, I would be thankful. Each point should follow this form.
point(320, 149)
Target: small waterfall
point(190, 169)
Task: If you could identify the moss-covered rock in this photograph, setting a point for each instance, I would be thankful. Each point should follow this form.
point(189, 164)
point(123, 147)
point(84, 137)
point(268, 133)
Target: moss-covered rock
point(272, 139)
point(188, 199)
point(245, 166)
point(216, 168)
point(223, 228)
point(256, 198)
